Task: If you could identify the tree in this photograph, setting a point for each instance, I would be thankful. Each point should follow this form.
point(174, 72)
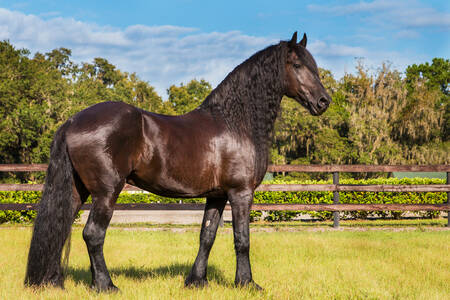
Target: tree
point(38, 94)
point(376, 117)
point(31, 93)
point(434, 76)
point(187, 97)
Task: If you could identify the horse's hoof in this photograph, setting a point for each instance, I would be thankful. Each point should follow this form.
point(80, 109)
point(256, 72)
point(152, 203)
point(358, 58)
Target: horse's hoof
point(113, 289)
point(195, 282)
point(250, 284)
point(254, 285)
point(110, 288)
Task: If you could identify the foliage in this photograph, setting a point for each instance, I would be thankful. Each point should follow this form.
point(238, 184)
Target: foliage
point(38, 94)
point(380, 117)
point(350, 198)
point(185, 98)
point(276, 198)
point(435, 75)
point(152, 198)
point(22, 216)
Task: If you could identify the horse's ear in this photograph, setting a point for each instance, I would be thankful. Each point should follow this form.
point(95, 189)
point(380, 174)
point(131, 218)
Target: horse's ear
point(303, 41)
point(293, 41)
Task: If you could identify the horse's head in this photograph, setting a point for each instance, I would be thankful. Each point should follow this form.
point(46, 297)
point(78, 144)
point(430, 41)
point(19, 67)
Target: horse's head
point(302, 78)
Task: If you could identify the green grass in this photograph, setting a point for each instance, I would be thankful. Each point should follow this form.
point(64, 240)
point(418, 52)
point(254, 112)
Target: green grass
point(439, 222)
point(289, 265)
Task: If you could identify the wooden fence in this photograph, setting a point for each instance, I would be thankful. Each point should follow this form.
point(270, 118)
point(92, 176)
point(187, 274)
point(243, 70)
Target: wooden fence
point(335, 188)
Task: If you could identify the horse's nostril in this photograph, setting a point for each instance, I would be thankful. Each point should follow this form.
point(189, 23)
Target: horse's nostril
point(323, 102)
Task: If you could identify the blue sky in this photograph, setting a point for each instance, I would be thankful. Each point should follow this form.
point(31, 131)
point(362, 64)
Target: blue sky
point(169, 42)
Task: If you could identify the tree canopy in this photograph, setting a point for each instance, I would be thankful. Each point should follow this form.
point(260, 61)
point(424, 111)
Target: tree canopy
point(381, 117)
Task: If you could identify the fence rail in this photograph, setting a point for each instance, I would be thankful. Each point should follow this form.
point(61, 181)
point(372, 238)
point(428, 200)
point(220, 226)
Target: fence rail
point(283, 168)
point(336, 207)
point(287, 188)
point(304, 207)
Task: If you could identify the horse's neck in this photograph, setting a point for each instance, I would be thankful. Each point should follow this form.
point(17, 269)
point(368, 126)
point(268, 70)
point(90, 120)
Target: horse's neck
point(247, 103)
point(246, 112)
point(249, 106)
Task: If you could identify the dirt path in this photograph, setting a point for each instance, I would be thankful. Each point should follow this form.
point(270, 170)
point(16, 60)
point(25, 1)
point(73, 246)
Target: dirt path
point(157, 216)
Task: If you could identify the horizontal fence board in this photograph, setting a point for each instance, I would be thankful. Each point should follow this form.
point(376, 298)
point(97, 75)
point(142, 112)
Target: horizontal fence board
point(9, 187)
point(23, 167)
point(393, 188)
point(358, 168)
point(283, 168)
point(351, 207)
point(39, 187)
point(296, 188)
point(288, 188)
point(304, 207)
point(353, 188)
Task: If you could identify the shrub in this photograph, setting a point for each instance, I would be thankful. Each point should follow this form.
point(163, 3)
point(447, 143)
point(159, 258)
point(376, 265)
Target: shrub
point(275, 197)
point(18, 216)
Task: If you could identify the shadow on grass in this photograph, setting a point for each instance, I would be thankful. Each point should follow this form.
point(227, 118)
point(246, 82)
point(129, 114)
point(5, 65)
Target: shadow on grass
point(83, 276)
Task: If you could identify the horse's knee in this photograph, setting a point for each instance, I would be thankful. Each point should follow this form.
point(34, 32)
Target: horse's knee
point(207, 238)
point(93, 235)
point(242, 245)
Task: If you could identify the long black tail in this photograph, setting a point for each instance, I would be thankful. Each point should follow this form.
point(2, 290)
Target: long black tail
point(54, 218)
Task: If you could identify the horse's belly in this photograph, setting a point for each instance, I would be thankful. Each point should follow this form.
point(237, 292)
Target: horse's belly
point(183, 185)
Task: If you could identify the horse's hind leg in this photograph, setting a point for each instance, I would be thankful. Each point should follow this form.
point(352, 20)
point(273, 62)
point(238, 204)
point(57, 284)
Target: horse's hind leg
point(211, 219)
point(94, 235)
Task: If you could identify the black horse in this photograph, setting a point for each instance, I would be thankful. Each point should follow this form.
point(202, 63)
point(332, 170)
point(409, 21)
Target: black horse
point(218, 151)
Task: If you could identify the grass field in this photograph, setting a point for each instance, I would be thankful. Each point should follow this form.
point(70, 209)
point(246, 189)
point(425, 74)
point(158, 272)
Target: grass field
point(288, 264)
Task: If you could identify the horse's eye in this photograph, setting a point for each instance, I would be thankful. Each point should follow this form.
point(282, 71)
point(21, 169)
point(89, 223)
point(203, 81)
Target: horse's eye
point(296, 66)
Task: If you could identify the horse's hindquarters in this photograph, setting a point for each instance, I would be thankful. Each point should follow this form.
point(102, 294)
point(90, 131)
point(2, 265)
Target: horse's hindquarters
point(103, 142)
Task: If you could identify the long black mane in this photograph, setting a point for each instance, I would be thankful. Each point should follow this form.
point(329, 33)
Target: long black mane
point(248, 99)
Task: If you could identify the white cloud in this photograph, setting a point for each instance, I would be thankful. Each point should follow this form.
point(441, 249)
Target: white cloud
point(354, 8)
point(165, 55)
point(321, 48)
point(407, 34)
point(162, 55)
point(397, 13)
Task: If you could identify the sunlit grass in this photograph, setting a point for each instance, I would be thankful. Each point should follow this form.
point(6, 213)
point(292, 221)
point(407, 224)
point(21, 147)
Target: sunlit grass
point(289, 265)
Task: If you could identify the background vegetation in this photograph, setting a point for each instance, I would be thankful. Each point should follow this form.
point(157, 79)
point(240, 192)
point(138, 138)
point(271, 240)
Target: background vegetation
point(26, 216)
point(380, 116)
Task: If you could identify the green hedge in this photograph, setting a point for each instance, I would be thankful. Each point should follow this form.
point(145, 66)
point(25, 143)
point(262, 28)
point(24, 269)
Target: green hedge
point(275, 197)
point(152, 198)
point(349, 198)
point(18, 216)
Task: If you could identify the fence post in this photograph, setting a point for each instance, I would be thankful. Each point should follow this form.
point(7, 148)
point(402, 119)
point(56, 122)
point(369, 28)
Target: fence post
point(448, 200)
point(335, 200)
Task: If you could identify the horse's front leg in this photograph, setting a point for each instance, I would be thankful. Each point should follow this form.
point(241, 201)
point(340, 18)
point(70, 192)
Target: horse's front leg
point(241, 202)
point(211, 218)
